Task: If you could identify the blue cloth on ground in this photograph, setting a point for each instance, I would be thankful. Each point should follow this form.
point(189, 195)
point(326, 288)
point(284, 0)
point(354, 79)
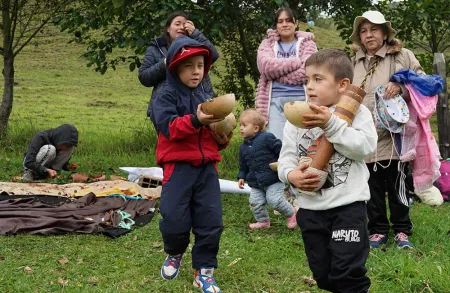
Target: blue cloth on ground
point(427, 85)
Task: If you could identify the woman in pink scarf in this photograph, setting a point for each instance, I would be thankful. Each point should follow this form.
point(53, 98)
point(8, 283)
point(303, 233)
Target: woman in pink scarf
point(281, 62)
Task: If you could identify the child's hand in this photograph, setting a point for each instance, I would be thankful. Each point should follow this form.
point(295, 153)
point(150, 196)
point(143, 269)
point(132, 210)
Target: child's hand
point(221, 138)
point(322, 116)
point(205, 119)
point(302, 180)
point(52, 173)
point(72, 167)
point(241, 183)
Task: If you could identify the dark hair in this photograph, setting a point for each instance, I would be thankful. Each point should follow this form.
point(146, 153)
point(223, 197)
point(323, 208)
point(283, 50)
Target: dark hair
point(256, 118)
point(336, 61)
point(288, 11)
point(169, 20)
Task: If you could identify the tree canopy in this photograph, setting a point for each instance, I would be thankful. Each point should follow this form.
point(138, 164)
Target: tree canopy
point(236, 26)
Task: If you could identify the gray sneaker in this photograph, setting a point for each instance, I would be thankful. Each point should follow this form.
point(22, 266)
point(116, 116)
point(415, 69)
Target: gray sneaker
point(28, 176)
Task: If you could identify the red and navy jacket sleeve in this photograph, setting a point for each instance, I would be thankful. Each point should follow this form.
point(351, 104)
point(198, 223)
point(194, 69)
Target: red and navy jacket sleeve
point(168, 121)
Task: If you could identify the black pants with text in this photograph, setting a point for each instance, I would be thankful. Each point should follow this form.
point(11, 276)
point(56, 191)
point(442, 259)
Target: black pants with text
point(337, 246)
point(392, 181)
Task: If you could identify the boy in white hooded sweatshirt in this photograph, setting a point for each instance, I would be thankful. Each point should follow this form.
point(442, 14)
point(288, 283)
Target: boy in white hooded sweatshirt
point(334, 220)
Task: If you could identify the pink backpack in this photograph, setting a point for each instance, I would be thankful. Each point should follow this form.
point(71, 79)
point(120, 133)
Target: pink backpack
point(444, 180)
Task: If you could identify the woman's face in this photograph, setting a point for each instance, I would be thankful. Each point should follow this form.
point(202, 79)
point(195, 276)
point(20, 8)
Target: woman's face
point(285, 25)
point(176, 28)
point(372, 36)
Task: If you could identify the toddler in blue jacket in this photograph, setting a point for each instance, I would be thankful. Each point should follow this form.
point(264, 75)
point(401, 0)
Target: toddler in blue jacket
point(258, 150)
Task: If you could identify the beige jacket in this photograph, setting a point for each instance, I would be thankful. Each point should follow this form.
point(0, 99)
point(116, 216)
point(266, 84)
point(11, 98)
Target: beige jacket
point(394, 58)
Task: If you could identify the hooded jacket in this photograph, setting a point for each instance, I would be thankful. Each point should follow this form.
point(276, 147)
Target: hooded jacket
point(255, 155)
point(286, 70)
point(393, 58)
point(181, 137)
point(152, 72)
point(63, 134)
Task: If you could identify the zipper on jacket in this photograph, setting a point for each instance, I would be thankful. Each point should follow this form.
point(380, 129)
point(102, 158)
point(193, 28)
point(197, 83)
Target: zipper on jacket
point(159, 48)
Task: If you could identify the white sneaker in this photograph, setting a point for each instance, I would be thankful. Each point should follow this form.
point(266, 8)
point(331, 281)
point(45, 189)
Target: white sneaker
point(204, 279)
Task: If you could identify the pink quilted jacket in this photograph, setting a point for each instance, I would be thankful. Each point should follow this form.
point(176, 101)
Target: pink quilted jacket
point(289, 71)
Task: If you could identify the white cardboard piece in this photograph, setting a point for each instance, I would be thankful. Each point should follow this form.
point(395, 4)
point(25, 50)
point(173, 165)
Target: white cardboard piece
point(226, 186)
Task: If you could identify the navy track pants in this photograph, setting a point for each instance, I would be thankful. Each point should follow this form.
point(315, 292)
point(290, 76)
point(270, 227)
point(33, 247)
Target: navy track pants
point(191, 199)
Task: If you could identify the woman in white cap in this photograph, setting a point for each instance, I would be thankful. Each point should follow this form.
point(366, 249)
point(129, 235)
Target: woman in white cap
point(378, 57)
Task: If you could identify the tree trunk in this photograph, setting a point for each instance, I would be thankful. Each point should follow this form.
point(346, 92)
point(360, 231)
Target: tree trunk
point(254, 73)
point(443, 114)
point(8, 69)
point(8, 93)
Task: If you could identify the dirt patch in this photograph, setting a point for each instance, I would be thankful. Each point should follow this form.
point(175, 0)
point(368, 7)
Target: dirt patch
point(107, 104)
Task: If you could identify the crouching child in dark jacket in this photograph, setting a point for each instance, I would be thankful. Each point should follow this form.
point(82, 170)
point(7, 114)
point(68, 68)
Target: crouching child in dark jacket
point(50, 151)
point(188, 152)
point(258, 150)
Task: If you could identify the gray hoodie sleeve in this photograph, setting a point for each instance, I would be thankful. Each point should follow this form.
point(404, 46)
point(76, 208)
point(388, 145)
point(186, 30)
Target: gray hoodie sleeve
point(152, 70)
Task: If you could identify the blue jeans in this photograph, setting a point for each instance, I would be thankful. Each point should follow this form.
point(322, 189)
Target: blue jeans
point(276, 114)
point(272, 195)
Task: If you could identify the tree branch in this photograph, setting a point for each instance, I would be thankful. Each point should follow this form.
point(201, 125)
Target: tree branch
point(418, 43)
point(445, 48)
point(23, 29)
point(38, 29)
point(442, 35)
point(14, 17)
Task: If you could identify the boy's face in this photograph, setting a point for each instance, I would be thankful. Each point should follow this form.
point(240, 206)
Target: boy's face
point(191, 71)
point(247, 128)
point(322, 87)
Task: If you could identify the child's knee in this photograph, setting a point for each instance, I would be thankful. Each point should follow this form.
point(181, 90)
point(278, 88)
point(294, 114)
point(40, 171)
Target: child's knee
point(276, 202)
point(46, 154)
point(256, 201)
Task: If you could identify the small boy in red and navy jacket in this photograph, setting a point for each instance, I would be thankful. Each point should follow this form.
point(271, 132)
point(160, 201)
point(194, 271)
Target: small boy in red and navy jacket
point(188, 152)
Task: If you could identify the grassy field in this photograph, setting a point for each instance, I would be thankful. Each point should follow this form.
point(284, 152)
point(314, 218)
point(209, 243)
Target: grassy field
point(54, 87)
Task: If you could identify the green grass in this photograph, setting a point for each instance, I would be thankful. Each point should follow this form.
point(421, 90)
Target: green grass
point(56, 87)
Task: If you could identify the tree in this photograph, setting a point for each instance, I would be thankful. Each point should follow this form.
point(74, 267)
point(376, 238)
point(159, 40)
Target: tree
point(21, 21)
point(425, 25)
point(236, 26)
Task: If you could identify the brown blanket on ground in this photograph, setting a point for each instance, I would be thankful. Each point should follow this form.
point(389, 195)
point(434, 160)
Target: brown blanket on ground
point(87, 214)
